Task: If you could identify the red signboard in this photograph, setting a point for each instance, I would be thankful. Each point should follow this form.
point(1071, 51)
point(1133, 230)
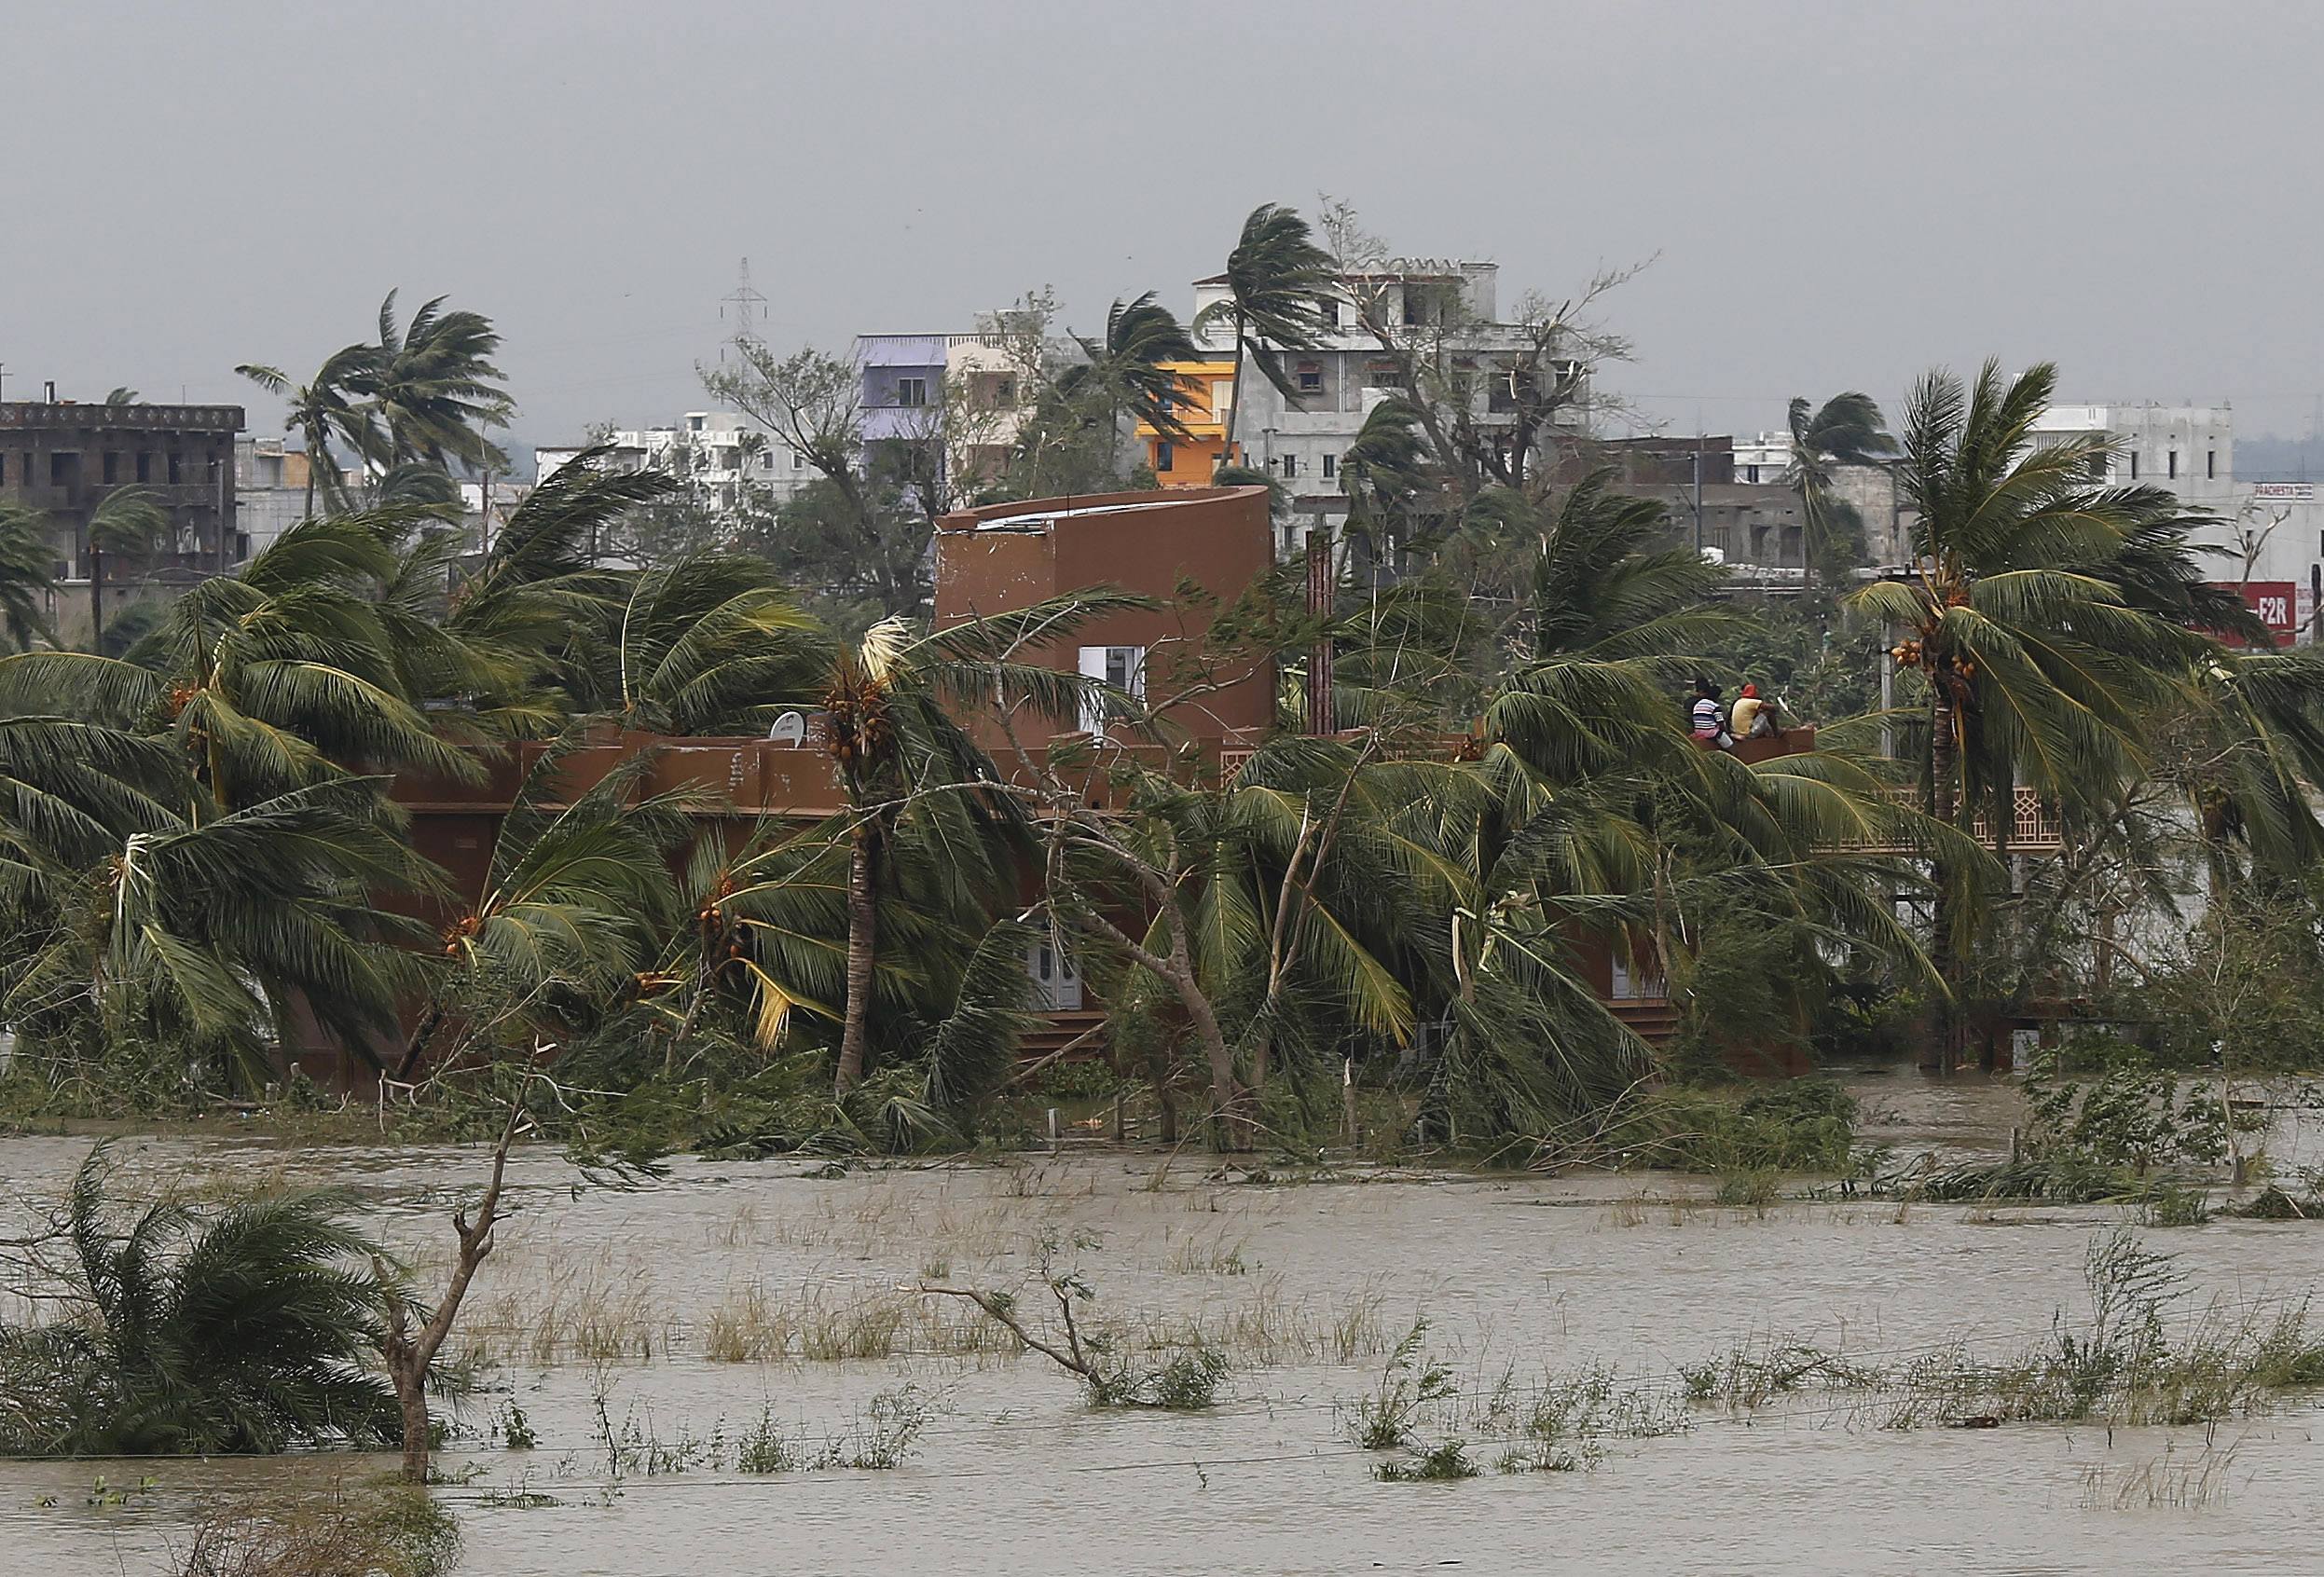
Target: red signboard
point(2277, 604)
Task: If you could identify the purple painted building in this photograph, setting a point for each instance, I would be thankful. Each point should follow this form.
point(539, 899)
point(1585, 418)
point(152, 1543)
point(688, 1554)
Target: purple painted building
point(904, 385)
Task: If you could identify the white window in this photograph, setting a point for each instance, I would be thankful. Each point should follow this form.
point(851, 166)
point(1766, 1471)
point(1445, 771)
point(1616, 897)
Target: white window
point(1332, 463)
point(912, 392)
point(1122, 668)
point(1290, 466)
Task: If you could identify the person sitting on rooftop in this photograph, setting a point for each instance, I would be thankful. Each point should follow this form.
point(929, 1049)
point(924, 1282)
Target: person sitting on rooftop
point(1705, 717)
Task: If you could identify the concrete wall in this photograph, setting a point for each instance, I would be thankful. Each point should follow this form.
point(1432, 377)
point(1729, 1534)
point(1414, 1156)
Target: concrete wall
point(1006, 556)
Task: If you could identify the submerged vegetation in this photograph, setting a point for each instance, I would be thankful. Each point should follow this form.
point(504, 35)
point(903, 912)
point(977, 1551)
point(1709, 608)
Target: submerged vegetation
point(182, 1331)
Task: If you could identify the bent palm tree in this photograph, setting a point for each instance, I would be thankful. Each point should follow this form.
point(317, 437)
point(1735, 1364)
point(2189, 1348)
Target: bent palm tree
point(1128, 371)
point(246, 1329)
point(899, 749)
point(2032, 610)
point(434, 386)
point(573, 900)
point(26, 577)
point(320, 412)
point(276, 675)
point(1847, 429)
point(1277, 279)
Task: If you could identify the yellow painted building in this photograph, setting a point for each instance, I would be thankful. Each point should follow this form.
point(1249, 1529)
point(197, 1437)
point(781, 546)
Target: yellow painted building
point(1205, 390)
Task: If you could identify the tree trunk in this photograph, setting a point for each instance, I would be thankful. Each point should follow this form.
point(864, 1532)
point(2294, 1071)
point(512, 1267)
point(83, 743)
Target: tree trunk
point(1943, 754)
point(1226, 1103)
point(862, 941)
point(1158, 1068)
point(421, 1034)
point(1234, 395)
point(411, 1395)
point(408, 1355)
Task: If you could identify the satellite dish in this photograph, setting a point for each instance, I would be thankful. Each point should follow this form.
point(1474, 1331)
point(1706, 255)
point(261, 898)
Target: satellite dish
point(790, 728)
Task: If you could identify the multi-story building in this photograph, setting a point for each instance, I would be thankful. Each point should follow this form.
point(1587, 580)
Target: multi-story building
point(1188, 458)
point(901, 413)
point(721, 457)
point(270, 481)
point(64, 459)
point(989, 380)
point(1445, 311)
point(2269, 539)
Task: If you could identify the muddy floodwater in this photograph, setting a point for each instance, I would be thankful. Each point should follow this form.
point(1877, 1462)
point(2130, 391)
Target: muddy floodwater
point(642, 1334)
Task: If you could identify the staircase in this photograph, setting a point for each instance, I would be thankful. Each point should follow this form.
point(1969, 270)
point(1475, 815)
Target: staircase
point(1652, 1018)
point(1053, 1032)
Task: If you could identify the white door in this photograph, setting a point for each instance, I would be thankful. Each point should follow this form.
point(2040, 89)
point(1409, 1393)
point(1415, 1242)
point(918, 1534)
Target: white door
point(1056, 988)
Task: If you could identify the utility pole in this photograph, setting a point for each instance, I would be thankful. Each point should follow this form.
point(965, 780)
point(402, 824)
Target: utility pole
point(1697, 459)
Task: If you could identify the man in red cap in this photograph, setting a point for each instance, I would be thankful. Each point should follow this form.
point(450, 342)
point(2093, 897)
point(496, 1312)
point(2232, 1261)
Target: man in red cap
point(1750, 718)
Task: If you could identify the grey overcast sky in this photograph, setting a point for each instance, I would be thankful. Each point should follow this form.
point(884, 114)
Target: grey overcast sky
point(1839, 193)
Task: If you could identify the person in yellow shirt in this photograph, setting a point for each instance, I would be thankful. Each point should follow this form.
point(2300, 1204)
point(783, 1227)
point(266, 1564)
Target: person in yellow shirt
point(1750, 718)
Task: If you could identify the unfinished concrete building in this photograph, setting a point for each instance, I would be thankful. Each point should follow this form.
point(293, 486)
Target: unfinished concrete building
point(65, 458)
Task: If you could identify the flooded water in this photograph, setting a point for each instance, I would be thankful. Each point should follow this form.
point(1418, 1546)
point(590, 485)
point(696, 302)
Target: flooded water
point(633, 1315)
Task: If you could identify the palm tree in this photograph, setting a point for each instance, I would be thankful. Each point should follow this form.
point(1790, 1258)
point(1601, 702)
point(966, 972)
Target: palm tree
point(129, 523)
point(575, 898)
point(27, 577)
point(250, 1328)
point(710, 644)
point(320, 411)
point(1128, 370)
point(278, 676)
point(1277, 280)
point(1847, 429)
point(2038, 608)
point(215, 931)
point(433, 386)
point(1388, 473)
point(898, 749)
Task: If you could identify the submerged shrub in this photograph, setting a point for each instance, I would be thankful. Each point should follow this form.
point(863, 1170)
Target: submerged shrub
point(252, 1327)
point(1409, 1381)
point(1445, 1460)
point(400, 1533)
point(1801, 1125)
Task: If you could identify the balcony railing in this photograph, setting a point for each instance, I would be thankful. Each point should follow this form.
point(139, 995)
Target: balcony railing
point(2033, 826)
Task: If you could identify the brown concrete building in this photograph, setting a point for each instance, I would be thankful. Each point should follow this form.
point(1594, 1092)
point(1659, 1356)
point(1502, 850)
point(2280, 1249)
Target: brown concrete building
point(63, 458)
point(1006, 556)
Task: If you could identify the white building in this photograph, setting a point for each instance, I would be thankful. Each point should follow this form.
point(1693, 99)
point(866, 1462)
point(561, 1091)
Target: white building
point(269, 490)
point(721, 457)
point(1448, 308)
point(2270, 539)
point(1762, 457)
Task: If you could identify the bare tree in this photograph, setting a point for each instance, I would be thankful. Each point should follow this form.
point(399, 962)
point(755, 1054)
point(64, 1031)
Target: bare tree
point(1488, 394)
point(414, 1335)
